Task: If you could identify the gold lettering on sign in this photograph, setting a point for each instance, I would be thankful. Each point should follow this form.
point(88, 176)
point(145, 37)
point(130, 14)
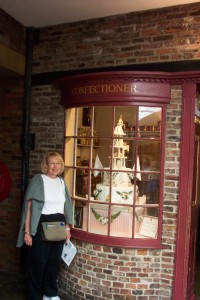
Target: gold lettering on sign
point(104, 88)
point(134, 88)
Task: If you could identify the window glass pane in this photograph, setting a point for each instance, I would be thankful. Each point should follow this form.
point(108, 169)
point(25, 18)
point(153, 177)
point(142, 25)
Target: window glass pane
point(68, 177)
point(122, 188)
point(139, 213)
point(149, 121)
point(149, 152)
point(149, 187)
point(80, 215)
point(101, 192)
point(96, 186)
point(84, 117)
point(98, 219)
point(129, 117)
point(152, 211)
point(112, 159)
point(70, 119)
point(101, 154)
point(83, 136)
point(81, 183)
point(96, 140)
point(129, 152)
point(82, 155)
point(119, 154)
point(121, 221)
point(146, 227)
point(84, 123)
point(103, 117)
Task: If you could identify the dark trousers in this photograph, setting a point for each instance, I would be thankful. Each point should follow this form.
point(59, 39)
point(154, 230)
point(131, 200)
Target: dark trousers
point(43, 262)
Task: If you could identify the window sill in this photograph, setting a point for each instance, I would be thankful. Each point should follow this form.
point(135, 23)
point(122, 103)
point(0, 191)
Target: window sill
point(116, 241)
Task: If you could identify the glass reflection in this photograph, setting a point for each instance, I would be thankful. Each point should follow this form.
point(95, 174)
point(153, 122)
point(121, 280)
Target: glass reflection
point(150, 121)
point(149, 153)
point(103, 121)
point(149, 188)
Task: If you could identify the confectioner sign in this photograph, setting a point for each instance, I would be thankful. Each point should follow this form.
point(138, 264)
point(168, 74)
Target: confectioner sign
point(105, 88)
point(111, 87)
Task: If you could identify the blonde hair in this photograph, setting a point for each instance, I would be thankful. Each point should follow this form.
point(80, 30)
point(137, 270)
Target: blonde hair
point(45, 161)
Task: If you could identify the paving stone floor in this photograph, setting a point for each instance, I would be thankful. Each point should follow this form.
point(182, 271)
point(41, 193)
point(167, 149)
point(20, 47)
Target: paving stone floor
point(14, 287)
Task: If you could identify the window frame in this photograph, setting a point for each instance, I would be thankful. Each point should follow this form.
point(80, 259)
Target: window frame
point(119, 241)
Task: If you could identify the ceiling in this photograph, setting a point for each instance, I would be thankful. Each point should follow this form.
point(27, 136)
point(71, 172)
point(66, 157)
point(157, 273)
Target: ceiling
point(35, 13)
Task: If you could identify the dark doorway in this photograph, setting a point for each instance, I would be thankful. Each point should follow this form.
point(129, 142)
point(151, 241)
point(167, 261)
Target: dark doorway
point(195, 221)
point(197, 266)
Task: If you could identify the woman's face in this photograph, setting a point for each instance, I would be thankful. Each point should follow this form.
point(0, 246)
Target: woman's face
point(54, 166)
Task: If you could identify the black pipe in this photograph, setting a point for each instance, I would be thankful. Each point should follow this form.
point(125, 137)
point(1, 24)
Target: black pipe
point(26, 136)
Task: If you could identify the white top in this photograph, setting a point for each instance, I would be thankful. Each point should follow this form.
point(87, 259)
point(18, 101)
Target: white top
point(54, 192)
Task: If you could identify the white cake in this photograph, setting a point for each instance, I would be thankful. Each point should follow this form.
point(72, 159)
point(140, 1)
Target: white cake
point(122, 189)
point(119, 179)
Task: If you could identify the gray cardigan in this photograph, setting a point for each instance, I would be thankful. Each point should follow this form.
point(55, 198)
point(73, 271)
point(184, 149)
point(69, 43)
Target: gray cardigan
point(35, 192)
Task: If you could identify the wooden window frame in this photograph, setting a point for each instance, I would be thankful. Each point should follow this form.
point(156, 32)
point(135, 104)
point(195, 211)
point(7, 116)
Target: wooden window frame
point(144, 242)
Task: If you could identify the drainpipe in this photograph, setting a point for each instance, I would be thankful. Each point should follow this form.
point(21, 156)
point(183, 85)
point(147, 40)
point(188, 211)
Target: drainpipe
point(26, 136)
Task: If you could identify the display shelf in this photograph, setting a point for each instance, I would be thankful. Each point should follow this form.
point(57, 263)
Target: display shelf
point(87, 146)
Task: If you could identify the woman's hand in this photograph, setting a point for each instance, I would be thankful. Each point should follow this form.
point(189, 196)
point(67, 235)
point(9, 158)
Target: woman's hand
point(28, 239)
point(27, 235)
point(68, 233)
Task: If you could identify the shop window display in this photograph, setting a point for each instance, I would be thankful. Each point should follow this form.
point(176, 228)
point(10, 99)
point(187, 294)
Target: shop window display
point(113, 158)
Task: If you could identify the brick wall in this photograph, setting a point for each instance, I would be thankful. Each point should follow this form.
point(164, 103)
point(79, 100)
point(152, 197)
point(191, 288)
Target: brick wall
point(100, 272)
point(47, 123)
point(168, 34)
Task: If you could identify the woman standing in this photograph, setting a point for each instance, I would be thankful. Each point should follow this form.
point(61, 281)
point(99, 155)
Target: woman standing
point(46, 200)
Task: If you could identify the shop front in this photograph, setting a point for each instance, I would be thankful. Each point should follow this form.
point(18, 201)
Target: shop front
point(129, 155)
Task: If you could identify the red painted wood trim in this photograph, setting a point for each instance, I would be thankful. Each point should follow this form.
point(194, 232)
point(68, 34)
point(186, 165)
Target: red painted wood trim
point(113, 88)
point(185, 186)
point(116, 241)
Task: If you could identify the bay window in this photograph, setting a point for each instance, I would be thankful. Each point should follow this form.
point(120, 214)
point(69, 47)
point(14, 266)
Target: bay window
point(113, 169)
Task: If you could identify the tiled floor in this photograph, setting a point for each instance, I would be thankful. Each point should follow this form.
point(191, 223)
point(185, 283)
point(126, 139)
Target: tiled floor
point(14, 287)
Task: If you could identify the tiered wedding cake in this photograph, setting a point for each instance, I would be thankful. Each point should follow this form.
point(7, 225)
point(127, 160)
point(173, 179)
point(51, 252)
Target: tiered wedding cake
point(122, 189)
